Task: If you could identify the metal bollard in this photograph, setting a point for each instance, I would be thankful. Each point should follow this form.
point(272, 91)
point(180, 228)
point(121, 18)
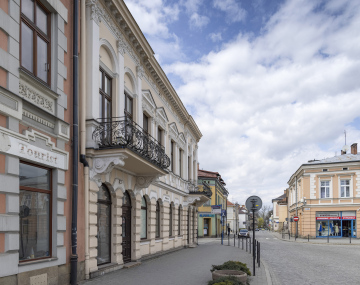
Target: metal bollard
point(238, 242)
point(289, 235)
point(327, 239)
point(242, 243)
point(246, 244)
point(350, 237)
point(259, 253)
point(250, 247)
point(308, 237)
point(234, 240)
point(228, 240)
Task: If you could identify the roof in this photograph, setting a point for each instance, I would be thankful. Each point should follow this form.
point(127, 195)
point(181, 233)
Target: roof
point(211, 174)
point(279, 198)
point(229, 203)
point(334, 159)
point(242, 211)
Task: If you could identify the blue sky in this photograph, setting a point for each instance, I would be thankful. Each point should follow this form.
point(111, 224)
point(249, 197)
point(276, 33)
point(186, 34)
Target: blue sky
point(271, 84)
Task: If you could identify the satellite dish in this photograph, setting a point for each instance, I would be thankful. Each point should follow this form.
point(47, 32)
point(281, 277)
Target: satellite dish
point(345, 148)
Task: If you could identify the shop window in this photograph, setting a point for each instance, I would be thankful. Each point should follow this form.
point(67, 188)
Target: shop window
point(35, 212)
point(345, 188)
point(143, 234)
point(35, 39)
point(325, 189)
point(157, 224)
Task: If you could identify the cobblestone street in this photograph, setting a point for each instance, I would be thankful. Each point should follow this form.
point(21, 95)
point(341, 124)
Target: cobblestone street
point(315, 262)
point(189, 266)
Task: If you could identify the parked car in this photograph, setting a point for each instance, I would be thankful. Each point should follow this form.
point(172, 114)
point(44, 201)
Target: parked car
point(256, 230)
point(244, 233)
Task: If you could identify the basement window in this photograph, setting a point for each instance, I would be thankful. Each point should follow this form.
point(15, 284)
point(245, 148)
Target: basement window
point(325, 169)
point(345, 168)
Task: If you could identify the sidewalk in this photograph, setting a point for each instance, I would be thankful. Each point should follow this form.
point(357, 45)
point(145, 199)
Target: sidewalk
point(190, 266)
point(332, 241)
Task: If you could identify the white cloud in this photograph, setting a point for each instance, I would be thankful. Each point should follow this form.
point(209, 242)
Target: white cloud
point(215, 37)
point(198, 21)
point(266, 105)
point(233, 10)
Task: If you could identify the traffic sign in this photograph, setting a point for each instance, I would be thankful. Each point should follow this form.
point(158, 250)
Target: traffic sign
point(253, 204)
point(296, 219)
point(223, 213)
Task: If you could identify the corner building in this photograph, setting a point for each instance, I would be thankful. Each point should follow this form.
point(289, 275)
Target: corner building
point(326, 195)
point(35, 147)
point(141, 145)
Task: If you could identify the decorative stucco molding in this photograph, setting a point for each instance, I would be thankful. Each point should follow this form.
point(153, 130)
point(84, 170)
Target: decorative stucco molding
point(34, 97)
point(104, 165)
point(144, 182)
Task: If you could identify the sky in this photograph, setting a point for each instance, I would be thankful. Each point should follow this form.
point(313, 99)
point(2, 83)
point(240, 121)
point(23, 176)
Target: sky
point(271, 84)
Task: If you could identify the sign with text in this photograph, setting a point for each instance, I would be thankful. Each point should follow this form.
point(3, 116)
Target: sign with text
point(216, 209)
point(296, 219)
point(253, 203)
point(207, 215)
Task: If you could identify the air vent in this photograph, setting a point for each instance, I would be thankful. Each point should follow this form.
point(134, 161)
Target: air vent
point(325, 169)
point(345, 168)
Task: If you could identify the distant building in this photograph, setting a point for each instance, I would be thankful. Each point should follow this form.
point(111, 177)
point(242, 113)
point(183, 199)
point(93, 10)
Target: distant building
point(275, 217)
point(242, 217)
point(209, 224)
point(232, 216)
point(325, 195)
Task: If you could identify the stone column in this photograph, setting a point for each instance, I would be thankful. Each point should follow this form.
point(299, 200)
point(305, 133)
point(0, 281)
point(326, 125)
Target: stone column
point(152, 230)
point(121, 47)
point(140, 75)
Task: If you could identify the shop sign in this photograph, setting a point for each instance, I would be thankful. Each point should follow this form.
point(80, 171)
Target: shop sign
point(19, 147)
point(216, 209)
point(349, 217)
point(207, 215)
point(328, 218)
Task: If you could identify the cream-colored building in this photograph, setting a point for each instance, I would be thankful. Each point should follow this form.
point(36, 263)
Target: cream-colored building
point(140, 142)
point(276, 211)
point(325, 195)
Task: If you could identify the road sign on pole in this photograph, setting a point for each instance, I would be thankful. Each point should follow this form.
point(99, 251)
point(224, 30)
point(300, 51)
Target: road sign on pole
point(253, 204)
point(296, 219)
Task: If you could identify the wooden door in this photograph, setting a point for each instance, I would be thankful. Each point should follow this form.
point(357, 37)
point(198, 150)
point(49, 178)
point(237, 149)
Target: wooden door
point(126, 228)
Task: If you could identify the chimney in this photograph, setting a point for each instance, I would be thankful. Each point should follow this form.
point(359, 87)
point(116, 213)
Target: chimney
point(343, 152)
point(354, 148)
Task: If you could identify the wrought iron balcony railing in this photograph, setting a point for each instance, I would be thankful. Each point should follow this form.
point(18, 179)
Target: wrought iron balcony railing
point(124, 133)
point(193, 189)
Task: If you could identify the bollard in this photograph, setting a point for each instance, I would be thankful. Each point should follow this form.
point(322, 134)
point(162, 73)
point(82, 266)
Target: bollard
point(289, 235)
point(238, 242)
point(327, 239)
point(350, 237)
point(295, 237)
point(259, 254)
point(228, 240)
point(250, 246)
point(242, 243)
point(234, 240)
point(246, 244)
point(308, 237)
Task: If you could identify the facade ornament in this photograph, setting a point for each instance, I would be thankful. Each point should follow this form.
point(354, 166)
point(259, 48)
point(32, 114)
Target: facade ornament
point(140, 71)
point(144, 182)
point(34, 97)
point(95, 12)
point(118, 184)
point(104, 165)
point(121, 46)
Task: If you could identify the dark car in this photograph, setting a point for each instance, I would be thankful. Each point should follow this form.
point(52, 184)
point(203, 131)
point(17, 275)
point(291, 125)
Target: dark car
point(256, 230)
point(244, 233)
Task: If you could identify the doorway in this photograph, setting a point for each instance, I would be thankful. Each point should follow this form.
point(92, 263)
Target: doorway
point(206, 227)
point(126, 227)
point(349, 228)
point(104, 226)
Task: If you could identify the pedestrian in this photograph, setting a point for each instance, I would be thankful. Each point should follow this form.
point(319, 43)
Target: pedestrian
point(228, 230)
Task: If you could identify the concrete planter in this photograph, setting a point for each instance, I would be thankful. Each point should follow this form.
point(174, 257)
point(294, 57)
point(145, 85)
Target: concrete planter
point(240, 275)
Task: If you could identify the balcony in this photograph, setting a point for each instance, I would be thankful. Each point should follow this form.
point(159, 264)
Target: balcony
point(123, 136)
point(199, 194)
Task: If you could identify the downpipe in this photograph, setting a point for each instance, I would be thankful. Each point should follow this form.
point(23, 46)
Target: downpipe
point(75, 150)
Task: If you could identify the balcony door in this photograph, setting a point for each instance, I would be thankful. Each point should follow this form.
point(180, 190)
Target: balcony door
point(105, 98)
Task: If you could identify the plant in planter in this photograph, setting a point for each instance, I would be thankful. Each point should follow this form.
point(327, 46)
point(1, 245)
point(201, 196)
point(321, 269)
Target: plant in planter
point(232, 265)
point(234, 269)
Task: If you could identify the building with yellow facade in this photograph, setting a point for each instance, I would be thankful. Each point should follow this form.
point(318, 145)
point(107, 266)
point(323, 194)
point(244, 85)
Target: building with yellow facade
point(209, 224)
point(325, 195)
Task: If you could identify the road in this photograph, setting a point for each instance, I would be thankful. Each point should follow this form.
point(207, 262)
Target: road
point(299, 263)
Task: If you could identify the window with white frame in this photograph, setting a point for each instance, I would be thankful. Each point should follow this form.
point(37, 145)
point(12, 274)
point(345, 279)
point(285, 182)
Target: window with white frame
point(325, 189)
point(344, 188)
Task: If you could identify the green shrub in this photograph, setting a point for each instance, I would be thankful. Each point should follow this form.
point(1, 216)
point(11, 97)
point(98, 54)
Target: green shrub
point(232, 265)
point(227, 280)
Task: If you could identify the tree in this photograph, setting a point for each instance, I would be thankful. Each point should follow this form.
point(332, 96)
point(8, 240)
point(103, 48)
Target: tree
point(261, 222)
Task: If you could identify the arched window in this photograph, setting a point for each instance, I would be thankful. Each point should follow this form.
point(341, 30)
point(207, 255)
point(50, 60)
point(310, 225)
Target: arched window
point(171, 220)
point(157, 219)
point(179, 220)
point(143, 218)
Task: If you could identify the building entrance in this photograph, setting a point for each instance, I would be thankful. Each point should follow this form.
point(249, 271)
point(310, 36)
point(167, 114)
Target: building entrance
point(206, 227)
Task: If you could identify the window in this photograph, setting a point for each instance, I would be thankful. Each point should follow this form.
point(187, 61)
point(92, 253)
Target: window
point(325, 169)
point(180, 162)
point(35, 39)
point(172, 156)
point(128, 106)
point(325, 189)
point(345, 188)
point(104, 95)
point(179, 221)
point(143, 218)
point(146, 124)
point(157, 224)
point(189, 164)
point(35, 212)
point(159, 136)
point(345, 168)
point(171, 220)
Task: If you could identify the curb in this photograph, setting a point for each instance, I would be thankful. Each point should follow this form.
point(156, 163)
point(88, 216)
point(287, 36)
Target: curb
point(267, 272)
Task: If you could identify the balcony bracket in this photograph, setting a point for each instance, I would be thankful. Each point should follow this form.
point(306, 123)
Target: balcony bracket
point(144, 182)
